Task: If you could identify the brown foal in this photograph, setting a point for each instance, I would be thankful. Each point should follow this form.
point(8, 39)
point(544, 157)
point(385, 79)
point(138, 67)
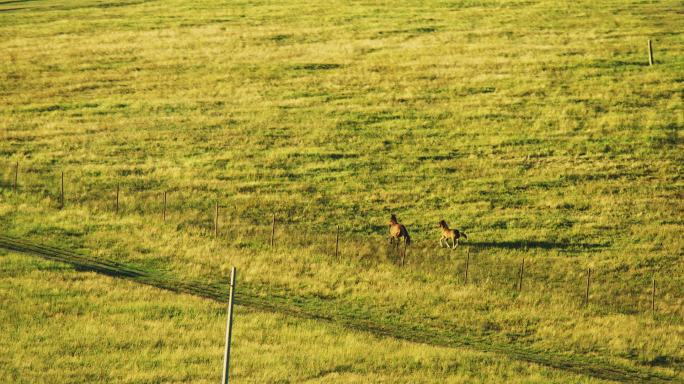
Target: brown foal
point(447, 233)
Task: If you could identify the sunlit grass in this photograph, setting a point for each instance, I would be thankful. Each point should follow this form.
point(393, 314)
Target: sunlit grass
point(68, 326)
point(539, 129)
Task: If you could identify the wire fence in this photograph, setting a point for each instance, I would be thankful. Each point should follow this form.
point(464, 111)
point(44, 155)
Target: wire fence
point(522, 267)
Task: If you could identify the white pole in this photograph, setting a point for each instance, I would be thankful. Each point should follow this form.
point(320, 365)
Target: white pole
point(229, 327)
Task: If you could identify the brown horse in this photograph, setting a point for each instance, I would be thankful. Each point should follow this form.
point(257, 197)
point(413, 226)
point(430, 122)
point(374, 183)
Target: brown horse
point(397, 231)
point(452, 234)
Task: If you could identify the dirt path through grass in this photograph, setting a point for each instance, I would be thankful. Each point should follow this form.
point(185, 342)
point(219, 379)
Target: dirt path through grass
point(350, 316)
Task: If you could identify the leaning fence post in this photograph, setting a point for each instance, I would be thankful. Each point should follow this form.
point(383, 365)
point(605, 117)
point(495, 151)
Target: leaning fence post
point(522, 272)
point(465, 281)
point(650, 52)
point(229, 327)
point(16, 176)
point(273, 231)
point(61, 199)
point(586, 293)
point(337, 242)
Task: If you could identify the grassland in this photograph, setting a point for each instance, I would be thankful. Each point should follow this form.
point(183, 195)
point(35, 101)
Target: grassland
point(71, 326)
point(538, 128)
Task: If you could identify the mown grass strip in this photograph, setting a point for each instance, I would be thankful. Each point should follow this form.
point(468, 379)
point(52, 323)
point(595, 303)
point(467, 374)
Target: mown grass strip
point(349, 316)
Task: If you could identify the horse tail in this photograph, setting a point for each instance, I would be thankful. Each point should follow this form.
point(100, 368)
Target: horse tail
point(407, 237)
point(464, 235)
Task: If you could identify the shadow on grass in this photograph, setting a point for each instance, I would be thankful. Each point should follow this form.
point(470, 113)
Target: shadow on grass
point(522, 244)
point(354, 317)
point(109, 271)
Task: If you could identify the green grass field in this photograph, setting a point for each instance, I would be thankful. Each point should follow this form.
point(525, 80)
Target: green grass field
point(69, 326)
point(538, 128)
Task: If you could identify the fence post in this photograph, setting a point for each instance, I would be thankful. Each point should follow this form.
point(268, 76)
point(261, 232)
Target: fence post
point(650, 52)
point(216, 219)
point(465, 281)
point(653, 292)
point(586, 293)
point(403, 253)
point(62, 192)
point(337, 243)
point(522, 272)
point(164, 210)
point(229, 328)
point(16, 176)
point(273, 231)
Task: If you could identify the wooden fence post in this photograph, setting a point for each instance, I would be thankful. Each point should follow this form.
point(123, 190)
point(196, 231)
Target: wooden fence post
point(586, 293)
point(229, 328)
point(522, 272)
point(337, 243)
point(273, 231)
point(403, 253)
point(465, 281)
point(650, 52)
point(16, 176)
point(653, 292)
point(164, 210)
point(216, 219)
point(62, 192)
